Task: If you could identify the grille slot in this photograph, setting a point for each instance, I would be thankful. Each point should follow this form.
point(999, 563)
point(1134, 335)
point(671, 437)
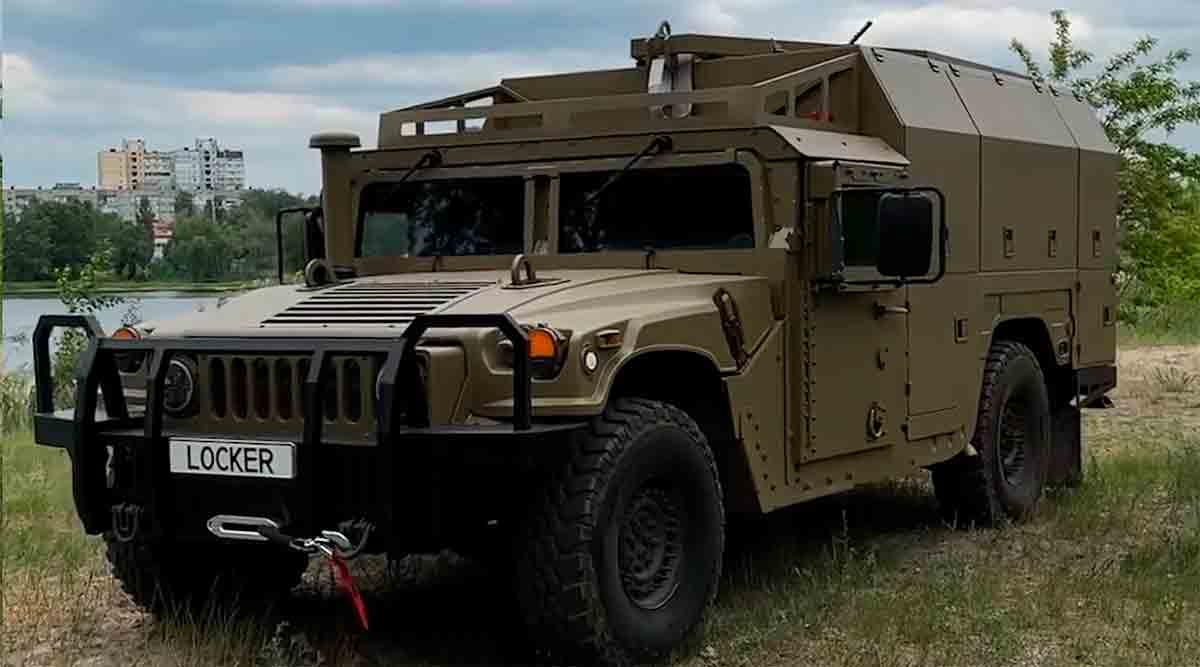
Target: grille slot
point(373, 304)
point(268, 392)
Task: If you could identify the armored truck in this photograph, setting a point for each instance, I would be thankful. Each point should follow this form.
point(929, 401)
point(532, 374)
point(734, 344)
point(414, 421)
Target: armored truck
point(575, 323)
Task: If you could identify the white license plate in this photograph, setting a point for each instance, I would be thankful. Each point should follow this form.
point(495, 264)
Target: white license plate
point(233, 458)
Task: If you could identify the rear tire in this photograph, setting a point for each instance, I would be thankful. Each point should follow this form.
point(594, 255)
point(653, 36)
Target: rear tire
point(621, 554)
point(1006, 479)
point(167, 578)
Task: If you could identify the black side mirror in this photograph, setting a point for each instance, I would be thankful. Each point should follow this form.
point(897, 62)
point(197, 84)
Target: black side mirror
point(906, 235)
point(311, 239)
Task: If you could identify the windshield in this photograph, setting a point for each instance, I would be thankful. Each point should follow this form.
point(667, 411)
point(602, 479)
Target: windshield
point(468, 216)
point(679, 207)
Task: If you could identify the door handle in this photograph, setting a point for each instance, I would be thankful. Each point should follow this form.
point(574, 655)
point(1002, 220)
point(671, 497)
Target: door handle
point(881, 310)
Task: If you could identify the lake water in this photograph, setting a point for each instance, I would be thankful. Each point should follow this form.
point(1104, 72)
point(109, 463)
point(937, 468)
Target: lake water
point(21, 315)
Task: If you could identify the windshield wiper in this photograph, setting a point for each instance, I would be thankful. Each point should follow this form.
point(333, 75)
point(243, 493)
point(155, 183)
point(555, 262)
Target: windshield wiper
point(432, 158)
point(590, 204)
point(658, 145)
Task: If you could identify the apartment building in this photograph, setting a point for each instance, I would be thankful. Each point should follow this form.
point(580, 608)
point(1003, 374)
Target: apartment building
point(202, 167)
point(122, 203)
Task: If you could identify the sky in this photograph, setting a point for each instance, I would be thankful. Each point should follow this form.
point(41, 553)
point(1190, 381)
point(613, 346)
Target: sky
point(263, 75)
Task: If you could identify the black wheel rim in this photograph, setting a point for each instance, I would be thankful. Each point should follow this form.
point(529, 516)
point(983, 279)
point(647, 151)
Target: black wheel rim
point(1011, 435)
point(650, 544)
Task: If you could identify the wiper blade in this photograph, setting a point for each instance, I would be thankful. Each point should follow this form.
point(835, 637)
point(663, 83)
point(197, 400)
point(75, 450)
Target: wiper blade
point(660, 144)
point(590, 204)
point(432, 158)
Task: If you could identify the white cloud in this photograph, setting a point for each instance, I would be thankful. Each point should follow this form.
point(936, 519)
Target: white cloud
point(438, 73)
point(81, 115)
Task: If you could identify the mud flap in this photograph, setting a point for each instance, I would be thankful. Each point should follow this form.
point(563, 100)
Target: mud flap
point(1066, 453)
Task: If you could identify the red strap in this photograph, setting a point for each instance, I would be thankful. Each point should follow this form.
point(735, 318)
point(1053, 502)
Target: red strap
point(341, 574)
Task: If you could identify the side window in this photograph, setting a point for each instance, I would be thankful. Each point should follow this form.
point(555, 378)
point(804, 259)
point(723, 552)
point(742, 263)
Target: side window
point(860, 226)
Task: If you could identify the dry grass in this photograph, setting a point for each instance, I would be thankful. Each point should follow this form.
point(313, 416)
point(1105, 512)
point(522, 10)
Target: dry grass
point(1107, 574)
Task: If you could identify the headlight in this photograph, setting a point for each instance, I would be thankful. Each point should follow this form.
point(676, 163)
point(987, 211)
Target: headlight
point(179, 387)
point(128, 362)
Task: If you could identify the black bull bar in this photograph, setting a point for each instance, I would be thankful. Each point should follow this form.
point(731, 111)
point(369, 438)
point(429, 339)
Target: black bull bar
point(81, 431)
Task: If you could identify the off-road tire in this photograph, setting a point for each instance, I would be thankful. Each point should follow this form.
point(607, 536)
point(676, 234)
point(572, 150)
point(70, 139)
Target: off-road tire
point(1005, 481)
point(167, 578)
point(588, 570)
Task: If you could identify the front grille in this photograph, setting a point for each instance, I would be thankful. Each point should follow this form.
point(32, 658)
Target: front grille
point(241, 394)
point(389, 304)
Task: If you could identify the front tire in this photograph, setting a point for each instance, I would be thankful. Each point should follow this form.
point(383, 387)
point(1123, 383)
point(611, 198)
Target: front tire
point(1006, 479)
point(622, 553)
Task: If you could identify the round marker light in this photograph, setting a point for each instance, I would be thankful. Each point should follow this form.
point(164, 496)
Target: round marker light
point(179, 387)
point(591, 361)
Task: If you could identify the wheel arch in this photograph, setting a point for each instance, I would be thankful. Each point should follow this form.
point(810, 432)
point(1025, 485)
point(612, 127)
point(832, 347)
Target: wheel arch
point(692, 382)
point(1034, 333)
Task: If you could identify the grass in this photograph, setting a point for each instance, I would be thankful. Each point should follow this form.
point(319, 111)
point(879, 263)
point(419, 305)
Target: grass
point(1106, 574)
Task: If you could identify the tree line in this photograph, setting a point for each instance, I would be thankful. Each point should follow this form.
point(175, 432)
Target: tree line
point(237, 243)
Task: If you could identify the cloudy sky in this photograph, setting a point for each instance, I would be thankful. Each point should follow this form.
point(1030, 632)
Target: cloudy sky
point(262, 75)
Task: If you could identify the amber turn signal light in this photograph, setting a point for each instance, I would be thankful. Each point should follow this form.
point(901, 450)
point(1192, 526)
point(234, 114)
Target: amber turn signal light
point(543, 344)
point(126, 333)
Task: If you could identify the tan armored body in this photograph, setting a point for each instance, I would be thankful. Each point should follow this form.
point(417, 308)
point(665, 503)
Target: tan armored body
point(600, 313)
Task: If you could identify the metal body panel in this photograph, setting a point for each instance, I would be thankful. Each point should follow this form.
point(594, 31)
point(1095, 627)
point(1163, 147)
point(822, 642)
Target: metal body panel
point(1096, 319)
point(857, 363)
point(760, 423)
point(936, 349)
point(1028, 206)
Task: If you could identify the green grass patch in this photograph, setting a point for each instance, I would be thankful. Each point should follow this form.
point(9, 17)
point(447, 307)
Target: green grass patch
point(1106, 574)
point(1170, 324)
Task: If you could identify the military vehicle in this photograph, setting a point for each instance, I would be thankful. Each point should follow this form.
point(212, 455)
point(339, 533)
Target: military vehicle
point(585, 319)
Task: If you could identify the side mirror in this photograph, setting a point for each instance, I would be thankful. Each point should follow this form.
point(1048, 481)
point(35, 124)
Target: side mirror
point(883, 236)
point(303, 242)
point(906, 237)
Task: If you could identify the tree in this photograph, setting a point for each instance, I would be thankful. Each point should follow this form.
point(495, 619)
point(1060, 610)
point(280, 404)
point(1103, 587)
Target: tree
point(131, 245)
point(185, 205)
point(200, 250)
point(1137, 103)
point(52, 235)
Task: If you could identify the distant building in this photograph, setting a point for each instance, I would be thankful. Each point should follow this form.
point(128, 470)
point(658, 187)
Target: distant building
point(122, 203)
point(202, 167)
point(206, 167)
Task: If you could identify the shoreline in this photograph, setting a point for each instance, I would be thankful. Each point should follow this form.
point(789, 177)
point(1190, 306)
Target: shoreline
point(48, 289)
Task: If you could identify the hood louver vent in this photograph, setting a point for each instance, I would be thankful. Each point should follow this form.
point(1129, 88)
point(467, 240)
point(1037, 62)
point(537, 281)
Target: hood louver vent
point(373, 304)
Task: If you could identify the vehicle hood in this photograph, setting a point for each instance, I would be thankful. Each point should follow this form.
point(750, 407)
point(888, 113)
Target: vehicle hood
point(382, 306)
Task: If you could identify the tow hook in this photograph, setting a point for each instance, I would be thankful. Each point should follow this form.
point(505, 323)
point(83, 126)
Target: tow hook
point(126, 521)
point(335, 548)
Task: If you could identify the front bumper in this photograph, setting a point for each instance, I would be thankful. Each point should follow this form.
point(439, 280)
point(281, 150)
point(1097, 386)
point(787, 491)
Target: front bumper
point(404, 471)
